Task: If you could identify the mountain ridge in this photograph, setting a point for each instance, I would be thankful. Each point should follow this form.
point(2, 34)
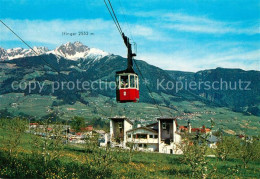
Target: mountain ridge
point(87, 67)
point(71, 51)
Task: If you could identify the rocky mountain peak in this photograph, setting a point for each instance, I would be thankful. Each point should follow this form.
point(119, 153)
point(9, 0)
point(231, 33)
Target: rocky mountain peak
point(71, 50)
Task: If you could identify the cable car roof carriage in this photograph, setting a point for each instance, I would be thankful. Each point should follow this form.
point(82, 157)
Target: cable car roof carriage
point(127, 80)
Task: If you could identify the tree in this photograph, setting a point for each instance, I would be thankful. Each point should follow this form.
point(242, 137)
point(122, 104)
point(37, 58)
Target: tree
point(100, 159)
point(5, 114)
point(77, 123)
point(227, 147)
point(52, 117)
point(248, 151)
point(98, 122)
point(54, 103)
point(194, 155)
point(254, 110)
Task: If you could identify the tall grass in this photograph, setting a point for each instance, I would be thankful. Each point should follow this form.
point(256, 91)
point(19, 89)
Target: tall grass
point(33, 156)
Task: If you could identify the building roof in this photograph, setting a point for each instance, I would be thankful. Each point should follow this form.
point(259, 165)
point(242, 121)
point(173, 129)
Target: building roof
point(183, 128)
point(168, 118)
point(212, 138)
point(145, 128)
point(195, 129)
point(88, 128)
point(202, 130)
point(121, 119)
point(33, 124)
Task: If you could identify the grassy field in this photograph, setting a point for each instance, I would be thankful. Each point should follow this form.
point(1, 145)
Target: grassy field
point(37, 159)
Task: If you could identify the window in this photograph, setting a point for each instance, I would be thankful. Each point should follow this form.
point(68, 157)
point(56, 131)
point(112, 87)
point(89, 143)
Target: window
point(140, 145)
point(132, 81)
point(136, 82)
point(155, 136)
point(164, 125)
point(117, 82)
point(124, 82)
point(150, 136)
point(129, 136)
point(142, 136)
point(145, 145)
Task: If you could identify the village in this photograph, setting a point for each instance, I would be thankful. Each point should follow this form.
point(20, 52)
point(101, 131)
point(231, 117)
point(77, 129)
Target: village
point(162, 136)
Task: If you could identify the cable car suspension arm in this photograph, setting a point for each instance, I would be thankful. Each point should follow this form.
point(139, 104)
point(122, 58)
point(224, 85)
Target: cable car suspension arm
point(126, 40)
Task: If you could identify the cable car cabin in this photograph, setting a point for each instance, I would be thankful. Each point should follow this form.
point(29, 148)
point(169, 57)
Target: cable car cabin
point(127, 87)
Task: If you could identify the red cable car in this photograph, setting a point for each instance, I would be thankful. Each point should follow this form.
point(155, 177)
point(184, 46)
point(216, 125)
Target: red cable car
point(127, 80)
point(127, 87)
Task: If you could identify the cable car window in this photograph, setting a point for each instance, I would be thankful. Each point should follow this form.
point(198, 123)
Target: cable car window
point(136, 82)
point(124, 82)
point(117, 82)
point(132, 81)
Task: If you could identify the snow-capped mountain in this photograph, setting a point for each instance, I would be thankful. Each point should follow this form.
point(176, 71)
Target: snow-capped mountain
point(19, 52)
point(71, 51)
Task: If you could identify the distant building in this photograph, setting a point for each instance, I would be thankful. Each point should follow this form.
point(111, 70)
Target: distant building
point(103, 138)
point(212, 141)
point(204, 132)
point(33, 125)
point(189, 129)
point(87, 129)
point(14, 105)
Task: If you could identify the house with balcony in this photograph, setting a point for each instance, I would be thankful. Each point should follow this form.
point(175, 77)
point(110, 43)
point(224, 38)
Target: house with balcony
point(161, 136)
point(143, 138)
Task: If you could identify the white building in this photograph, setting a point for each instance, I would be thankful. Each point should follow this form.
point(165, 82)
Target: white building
point(118, 128)
point(160, 137)
point(168, 136)
point(143, 138)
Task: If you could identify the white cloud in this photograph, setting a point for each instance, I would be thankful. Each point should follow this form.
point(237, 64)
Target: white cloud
point(206, 60)
point(199, 24)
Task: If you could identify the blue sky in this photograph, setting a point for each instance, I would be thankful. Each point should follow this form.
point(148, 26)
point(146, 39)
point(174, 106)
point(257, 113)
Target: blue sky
point(187, 35)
